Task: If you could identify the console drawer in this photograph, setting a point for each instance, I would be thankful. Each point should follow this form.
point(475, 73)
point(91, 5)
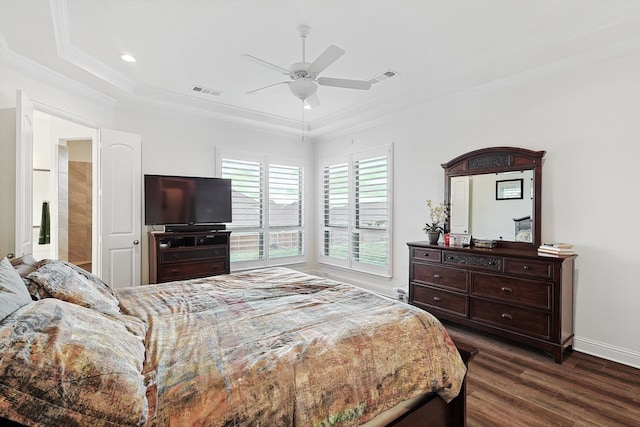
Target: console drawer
point(191, 254)
point(184, 271)
point(445, 277)
point(522, 291)
point(527, 267)
point(516, 319)
point(486, 262)
point(431, 255)
point(429, 297)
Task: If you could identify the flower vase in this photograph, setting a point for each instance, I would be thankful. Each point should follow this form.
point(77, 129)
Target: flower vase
point(432, 237)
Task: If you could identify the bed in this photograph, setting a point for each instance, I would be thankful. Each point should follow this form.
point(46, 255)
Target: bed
point(264, 347)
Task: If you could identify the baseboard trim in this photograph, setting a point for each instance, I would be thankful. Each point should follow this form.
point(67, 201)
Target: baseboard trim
point(353, 280)
point(607, 351)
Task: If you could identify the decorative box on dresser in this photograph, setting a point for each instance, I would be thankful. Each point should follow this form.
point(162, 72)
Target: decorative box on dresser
point(514, 293)
point(187, 255)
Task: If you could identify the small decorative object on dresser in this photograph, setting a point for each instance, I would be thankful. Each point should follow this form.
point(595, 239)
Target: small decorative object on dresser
point(438, 216)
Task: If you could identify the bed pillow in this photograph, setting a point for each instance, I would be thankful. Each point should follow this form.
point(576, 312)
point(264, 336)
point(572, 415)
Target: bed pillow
point(24, 264)
point(63, 364)
point(13, 293)
point(65, 281)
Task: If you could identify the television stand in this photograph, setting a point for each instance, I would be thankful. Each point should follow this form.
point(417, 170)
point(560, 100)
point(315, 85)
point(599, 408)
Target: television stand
point(187, 255)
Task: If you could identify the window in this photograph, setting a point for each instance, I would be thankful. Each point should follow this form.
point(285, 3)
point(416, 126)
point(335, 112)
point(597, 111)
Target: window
point(356, 212)
point(268, 210)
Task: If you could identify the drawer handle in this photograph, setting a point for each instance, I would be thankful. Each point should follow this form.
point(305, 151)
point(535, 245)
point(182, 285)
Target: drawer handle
point(526, 267)
point(505, 289)
point(425, 254)
point(437, 299)
point(493, 262)
point(449, 258)
point(437, 276)
point(506, 316)
point(175, 270)
point(174, 256)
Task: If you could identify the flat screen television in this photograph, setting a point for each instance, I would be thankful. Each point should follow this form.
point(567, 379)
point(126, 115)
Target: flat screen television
point(183, 203)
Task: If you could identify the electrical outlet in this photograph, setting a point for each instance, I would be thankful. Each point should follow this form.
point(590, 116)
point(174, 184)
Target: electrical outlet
point(401, 294)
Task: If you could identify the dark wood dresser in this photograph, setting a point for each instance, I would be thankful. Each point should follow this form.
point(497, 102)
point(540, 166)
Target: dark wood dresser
point(188, 255)
point(514, 293)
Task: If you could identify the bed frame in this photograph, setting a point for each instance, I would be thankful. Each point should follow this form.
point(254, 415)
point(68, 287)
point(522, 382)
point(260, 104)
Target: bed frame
point(433, 411)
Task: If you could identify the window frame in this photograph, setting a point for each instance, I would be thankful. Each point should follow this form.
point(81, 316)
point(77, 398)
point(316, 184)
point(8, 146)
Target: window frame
point(352, 229)
point(267, 162)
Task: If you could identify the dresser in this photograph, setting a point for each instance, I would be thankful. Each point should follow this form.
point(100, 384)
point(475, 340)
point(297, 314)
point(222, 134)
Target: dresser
point(187, 255)
point(513, 293)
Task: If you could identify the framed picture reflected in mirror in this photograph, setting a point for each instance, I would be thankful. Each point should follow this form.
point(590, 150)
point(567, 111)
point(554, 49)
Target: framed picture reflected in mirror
point(509, 189)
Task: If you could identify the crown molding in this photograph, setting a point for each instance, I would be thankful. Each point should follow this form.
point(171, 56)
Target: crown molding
point(43, 74)
point(146, 96)
point(79, 58)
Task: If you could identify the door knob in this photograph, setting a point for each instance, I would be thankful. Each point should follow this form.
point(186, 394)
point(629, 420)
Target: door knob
point(135, 242)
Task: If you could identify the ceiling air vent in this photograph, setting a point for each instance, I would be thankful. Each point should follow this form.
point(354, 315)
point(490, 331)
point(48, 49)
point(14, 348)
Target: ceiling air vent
point(384, 76)
point(206, 91)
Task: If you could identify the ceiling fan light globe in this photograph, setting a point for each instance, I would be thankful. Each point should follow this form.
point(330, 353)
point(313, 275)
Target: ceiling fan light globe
point(303, 88)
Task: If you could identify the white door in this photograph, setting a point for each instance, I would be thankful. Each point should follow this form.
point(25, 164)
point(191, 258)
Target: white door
point(459, 215)
point(120, 207)
point(24, 178)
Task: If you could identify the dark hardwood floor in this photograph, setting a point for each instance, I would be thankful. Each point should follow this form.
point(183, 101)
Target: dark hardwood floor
point(513, 385)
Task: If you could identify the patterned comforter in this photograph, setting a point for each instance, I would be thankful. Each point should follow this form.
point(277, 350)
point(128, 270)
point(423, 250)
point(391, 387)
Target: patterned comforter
point(270, 347)
point(278, 347)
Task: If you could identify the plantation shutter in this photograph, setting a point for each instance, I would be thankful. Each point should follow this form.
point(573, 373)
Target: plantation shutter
point(336, 211)
point(268, 209)
point(356, 211)
point(248, 208)
point(285, 211)
point(370, 237)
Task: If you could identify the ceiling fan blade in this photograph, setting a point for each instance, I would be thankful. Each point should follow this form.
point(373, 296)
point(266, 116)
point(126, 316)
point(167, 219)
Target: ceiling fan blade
point(350, 84)
point(325, 59)
point(266, 87)
point(267, 64)
point(311, 102)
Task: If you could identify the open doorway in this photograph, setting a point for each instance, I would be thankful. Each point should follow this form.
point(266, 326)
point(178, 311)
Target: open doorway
point(64, 191)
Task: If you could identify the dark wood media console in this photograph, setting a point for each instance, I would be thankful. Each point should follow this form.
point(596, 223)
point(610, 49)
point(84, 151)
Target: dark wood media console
point(187, 255)
point(514, 293)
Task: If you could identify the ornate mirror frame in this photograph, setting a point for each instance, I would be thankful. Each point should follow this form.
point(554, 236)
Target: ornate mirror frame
point(501, 159)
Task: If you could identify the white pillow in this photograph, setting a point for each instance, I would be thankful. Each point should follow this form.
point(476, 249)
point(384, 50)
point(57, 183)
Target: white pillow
point(13, 292)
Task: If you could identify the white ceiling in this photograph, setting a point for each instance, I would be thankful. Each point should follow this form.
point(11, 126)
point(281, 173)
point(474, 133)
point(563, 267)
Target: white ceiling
point(437, 48)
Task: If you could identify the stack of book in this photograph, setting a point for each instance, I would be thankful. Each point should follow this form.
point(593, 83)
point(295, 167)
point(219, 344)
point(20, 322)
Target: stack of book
point(556, 249)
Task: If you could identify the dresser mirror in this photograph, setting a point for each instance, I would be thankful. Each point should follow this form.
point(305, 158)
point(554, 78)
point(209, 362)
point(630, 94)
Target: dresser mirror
point(495, 194)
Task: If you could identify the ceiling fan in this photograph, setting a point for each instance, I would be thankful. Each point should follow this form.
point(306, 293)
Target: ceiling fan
point(304, 75)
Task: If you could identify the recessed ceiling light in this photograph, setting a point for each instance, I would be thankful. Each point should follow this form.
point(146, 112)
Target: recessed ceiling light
point(128, 58)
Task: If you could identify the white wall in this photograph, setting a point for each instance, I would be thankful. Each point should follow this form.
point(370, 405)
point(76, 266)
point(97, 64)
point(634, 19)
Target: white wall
point(588, 121)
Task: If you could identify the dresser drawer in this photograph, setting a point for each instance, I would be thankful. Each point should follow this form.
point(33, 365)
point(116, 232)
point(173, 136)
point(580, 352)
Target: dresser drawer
point(527, 267)
point(517, 319)
point(429, 297)
point(169, 272)
point(485, 262)
point(431, 255)
point(445, 277)
point(533, 293)
point(191, 254)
